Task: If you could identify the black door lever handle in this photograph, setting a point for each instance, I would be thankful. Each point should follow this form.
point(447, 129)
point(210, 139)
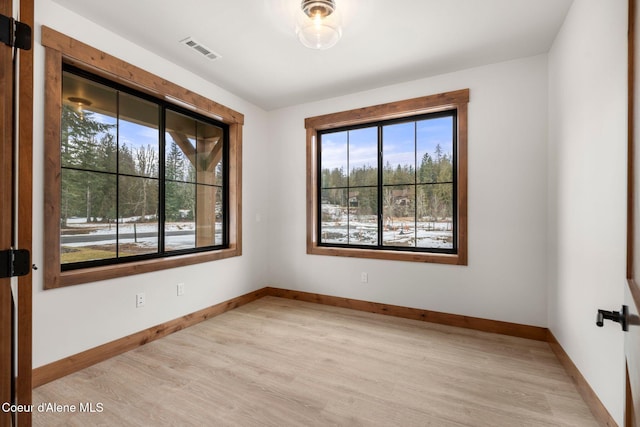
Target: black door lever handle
point(621, 317)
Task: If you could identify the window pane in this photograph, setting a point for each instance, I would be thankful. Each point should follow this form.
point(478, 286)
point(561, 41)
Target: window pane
point(180, 224)
point(88, 126)
point(195, 153)
point(363, 217)
point(219, 233)
point(435, 216)
point(435, 150)
point(206, 197)
point(349, 207)
point(138, 137)
point(111, 183)
point(87, 216)
point(399, 153)
point(177, 167)
point(334, 160)
point(180, 139)
point(334, 222)
point(399, 215)
point(138, 216)
point(363, 157)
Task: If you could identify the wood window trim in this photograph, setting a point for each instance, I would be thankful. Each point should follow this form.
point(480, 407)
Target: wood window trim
point(412, 107)
point(60, 48)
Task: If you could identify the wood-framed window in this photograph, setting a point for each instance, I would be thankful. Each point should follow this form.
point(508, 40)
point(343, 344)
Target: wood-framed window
point(390, 181)
point(143, 176)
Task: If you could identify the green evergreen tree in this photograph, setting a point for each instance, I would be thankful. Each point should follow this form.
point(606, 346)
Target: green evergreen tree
point(84, 148)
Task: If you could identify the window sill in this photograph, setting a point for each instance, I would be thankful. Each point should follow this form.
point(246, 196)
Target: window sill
point(94, 274)
point(451, 259)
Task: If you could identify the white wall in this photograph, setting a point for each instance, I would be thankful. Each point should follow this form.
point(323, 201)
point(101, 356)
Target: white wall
point(67, 321)
point(507, 273)
point(587, 191)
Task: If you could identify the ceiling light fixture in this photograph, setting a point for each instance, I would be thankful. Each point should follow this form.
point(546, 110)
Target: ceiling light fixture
point(318, 25)
point(81, 102)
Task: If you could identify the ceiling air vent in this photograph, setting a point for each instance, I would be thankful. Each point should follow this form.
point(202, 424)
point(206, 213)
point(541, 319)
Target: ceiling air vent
point(199, 48)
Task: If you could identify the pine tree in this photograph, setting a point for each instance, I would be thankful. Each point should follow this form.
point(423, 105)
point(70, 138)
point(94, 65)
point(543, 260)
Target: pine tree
point(81, 142)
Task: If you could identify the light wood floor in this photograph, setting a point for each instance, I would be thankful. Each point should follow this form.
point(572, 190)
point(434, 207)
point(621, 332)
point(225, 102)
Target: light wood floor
point(279, 362)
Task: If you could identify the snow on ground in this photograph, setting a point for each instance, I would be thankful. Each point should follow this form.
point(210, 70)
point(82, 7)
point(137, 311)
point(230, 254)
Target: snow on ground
point(125, 225)
point(363, 230)
point(80, 233)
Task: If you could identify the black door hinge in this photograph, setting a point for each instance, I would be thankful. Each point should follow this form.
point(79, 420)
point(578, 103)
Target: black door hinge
point(15, 33)
point(14, 262)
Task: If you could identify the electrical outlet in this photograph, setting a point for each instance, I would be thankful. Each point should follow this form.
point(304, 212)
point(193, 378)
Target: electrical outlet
point(364, 277)
point(180, 289)
point(140, 300)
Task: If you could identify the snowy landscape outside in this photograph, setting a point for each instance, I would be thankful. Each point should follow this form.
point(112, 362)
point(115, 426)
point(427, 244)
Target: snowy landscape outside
point(402, 173)
point(119, 179)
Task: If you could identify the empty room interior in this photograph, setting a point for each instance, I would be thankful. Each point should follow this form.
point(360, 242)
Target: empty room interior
point(345, 212)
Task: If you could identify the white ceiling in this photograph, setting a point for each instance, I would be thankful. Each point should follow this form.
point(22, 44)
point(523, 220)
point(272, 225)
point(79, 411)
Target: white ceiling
point(383, 42)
